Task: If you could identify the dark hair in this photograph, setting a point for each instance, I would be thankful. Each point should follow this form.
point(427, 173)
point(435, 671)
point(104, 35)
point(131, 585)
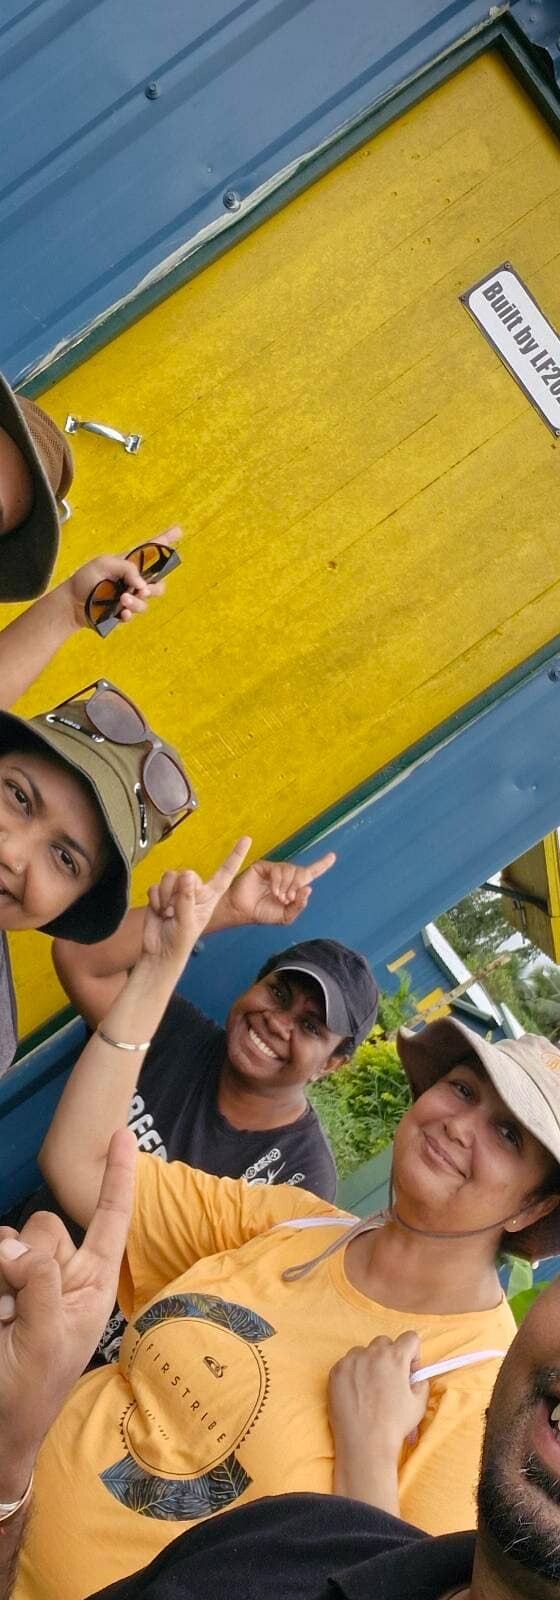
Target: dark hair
point(550, 1184)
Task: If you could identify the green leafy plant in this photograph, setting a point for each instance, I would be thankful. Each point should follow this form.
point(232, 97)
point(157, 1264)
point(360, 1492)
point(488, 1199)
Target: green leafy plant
point(360, 1105)
point(520, 1302)
point(394, 1009)
point(522, 1290)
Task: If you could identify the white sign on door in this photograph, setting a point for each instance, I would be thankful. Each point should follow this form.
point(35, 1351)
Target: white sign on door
point(524, 339)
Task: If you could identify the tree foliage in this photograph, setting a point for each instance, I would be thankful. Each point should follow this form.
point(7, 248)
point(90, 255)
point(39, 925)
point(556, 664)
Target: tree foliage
point(541, 992)
point(476, 926)
point(477, 930)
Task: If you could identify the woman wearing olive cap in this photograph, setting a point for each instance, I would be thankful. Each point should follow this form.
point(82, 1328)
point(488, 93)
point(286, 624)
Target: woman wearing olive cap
point(85, 791)
point(255, 1316)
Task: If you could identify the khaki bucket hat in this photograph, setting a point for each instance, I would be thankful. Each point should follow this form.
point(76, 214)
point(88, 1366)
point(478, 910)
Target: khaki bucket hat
point(28, 553)
point(525, 1073)
point(114, 774)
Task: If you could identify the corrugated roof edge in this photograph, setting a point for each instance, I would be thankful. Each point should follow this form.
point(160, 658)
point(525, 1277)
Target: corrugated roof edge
point(220, 235)
point(537, 22)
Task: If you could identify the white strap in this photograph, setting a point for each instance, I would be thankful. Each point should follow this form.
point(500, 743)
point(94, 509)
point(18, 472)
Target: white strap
point(315, 1222)
point(470, 1360)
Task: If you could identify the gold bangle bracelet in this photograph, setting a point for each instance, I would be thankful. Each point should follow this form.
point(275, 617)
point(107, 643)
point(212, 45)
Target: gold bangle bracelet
point(119, 1044)
point(9, 1508)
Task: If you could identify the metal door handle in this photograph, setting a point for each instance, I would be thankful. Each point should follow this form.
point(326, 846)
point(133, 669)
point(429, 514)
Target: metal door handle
point(131, 441)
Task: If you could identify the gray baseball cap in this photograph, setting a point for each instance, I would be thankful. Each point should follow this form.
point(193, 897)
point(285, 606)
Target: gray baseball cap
point(349, 989)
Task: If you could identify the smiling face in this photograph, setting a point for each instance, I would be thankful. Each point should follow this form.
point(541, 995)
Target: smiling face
point(461, 1160)
point(52, 840)
point(519, 1492)
point(277, 1034)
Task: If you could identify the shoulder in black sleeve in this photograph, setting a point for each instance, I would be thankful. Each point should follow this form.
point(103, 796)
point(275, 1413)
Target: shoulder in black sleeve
point(303, 1547)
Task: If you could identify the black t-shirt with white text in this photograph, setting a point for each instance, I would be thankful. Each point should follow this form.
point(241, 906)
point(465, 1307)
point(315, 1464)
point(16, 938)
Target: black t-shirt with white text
point(174, 1113)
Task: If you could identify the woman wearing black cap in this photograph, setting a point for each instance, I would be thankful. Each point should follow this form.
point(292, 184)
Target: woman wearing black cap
point(242, 1301)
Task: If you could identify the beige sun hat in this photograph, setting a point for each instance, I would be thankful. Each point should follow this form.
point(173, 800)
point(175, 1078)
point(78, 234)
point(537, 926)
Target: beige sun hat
point(28, 553)
point(114, 773)
point(525, 1073)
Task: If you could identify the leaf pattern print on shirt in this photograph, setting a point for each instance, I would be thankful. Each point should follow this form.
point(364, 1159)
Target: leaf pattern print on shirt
point(195, 1399)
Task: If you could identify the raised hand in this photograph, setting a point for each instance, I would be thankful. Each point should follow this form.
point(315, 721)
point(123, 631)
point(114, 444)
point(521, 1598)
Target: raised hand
point(180, 907)
point(271, 892)
point(137, 593)
point(54, 1303)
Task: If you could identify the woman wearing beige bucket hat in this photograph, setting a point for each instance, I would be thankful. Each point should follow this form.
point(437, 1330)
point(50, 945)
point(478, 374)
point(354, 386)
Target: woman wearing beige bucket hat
point(258, 1317)
point(86, 789)
point(519, 1077)
point(36, 472)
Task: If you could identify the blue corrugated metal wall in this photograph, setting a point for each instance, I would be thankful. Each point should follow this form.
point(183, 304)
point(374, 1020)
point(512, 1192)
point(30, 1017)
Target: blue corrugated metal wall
point(428, 839)
point(101, 183)
point(454, 818)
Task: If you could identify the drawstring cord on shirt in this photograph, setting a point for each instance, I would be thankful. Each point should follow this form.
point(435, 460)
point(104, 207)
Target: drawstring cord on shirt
point(367, 1225)
point(378, 1220)
point(363, 1225)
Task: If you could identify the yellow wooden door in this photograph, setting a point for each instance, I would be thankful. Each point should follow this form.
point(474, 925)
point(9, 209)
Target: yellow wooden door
point(369, 499)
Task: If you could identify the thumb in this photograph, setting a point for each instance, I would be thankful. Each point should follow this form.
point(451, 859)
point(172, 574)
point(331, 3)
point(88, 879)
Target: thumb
point(170, 535)
point(408, 1345)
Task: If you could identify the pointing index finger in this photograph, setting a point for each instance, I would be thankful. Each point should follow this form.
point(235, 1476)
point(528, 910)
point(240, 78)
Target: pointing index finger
point(225, 874)
point(315, 869)
point(107, 1233)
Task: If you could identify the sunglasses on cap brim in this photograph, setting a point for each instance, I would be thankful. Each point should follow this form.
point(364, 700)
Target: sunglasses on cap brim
point(115, 718)
point(152, 560)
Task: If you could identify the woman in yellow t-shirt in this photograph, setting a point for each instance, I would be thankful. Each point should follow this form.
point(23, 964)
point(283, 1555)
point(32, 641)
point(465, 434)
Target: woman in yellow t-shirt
point(242, 1300)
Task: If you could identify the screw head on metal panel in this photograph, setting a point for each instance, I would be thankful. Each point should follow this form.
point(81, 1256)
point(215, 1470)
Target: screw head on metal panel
point(554, 674)
point(231, 199)
point(152, 90)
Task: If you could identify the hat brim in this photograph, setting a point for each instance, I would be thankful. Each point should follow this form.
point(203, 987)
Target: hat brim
point(428, 1055)
point(29, 552)
point(336, 1014)
point(98, 912)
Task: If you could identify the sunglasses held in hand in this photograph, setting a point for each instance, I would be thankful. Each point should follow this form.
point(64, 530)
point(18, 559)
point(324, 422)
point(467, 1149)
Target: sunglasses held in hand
point(153, 561)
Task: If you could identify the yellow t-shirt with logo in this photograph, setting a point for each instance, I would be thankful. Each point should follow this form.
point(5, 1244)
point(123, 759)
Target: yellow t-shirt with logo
point(219, 1396)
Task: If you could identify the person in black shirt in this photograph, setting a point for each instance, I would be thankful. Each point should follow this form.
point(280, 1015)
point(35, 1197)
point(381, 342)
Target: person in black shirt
point(232, 1101)
point(313, 1547)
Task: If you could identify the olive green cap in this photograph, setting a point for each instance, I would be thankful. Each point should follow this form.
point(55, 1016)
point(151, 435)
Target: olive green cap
point(113, 772)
